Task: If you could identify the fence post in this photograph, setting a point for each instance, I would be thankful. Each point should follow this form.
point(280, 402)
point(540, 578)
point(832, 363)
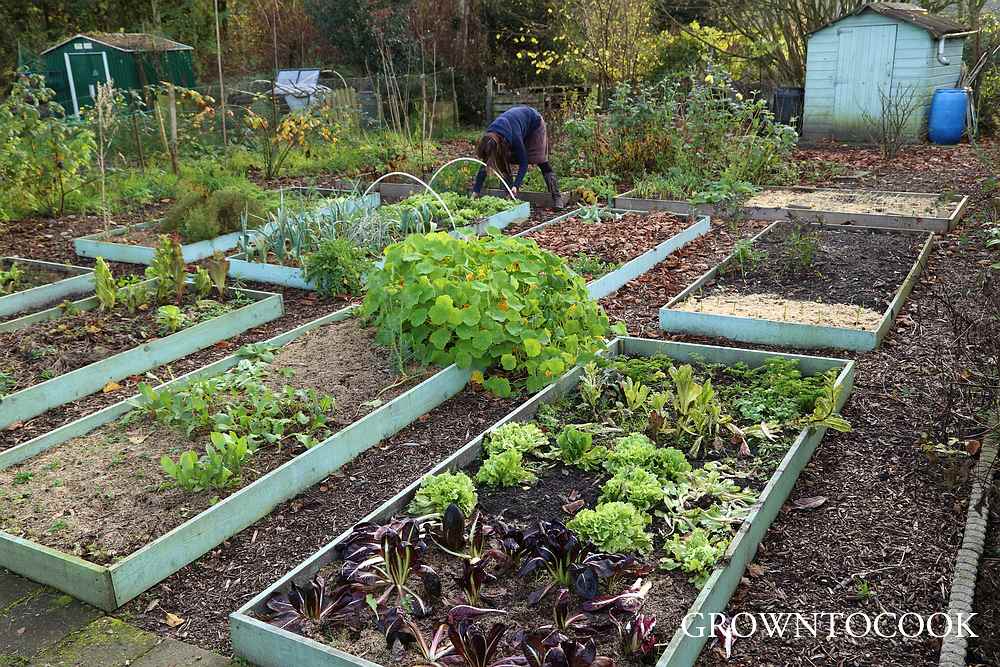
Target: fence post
point(489, 100)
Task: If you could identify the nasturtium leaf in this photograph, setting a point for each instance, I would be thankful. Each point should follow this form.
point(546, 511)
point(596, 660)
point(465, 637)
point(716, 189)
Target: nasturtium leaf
point(440, 338)
point(508, 362)
point(418, 316)
point(498, 385)
point(463, 359)
point(441, 310)
point(471, 316)
point(482, 340)
point(532, 347)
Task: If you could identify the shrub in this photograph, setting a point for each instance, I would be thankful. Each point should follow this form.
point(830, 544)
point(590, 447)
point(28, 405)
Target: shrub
point(337, 267)
point(197, 216)
point(436, 492)
point(485, 303)
point(614, 527)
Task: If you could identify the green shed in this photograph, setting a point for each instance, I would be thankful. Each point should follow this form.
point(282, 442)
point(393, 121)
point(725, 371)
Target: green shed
point(880, 52)
point(76, 65)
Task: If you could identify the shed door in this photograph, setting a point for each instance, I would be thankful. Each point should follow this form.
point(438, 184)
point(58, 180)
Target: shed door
point(86, 70)
point(865, 58)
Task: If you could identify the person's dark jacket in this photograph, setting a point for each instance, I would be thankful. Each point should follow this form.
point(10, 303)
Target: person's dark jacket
point(515, 125)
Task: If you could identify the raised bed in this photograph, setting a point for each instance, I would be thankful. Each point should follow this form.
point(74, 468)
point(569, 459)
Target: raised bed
point(266, 645)
point(44, 284)
point(922, 211)
point(69, 386)
point(829, 299)
point(108, 585)
point(634, 266)
point(350, 200)
point(104, 244)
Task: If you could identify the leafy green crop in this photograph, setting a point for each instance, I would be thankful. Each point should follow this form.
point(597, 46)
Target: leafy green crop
point(464, 209)
point(524, 437)
point(337, 267)
point(104, 285)
point(505, 468)
point(488, 302)
point(170, 319)
point(637, 451)
point(577, 448)
point(436, 492)
point(636, 486)
point(615, 527)
point(774, 391)
point(10, 279)
point(695, 554)
point(219, 467)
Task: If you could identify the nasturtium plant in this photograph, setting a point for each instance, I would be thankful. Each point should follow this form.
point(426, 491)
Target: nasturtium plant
point(615, 527)
point(489, 303)
point(436, 492)
point(524, 437)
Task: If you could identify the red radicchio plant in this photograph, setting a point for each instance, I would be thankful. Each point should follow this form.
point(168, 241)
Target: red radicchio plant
point(303, 609)
point(381, 559)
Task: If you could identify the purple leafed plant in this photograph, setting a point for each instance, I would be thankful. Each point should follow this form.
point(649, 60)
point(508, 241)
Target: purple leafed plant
point(550, 650)
point(303, 609)
point(637, 637)
point(398, 627)
point(381, 559)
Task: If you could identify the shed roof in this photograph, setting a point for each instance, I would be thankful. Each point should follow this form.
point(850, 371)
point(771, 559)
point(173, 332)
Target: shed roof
point(938, 26)
point(127, 41)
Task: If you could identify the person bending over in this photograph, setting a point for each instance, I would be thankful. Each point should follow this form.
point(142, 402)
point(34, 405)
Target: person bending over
point(517, 135)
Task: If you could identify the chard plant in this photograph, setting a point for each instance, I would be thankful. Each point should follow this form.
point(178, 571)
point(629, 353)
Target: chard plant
point(10, 279)
point(104, 285)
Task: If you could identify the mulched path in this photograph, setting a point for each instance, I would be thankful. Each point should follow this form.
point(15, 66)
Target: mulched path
point(206, 591)
point(638, 303)
point(614, 240)
point(537, 217)
point(860, 267)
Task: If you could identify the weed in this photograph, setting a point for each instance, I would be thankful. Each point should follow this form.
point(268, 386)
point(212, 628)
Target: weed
point(799, 248)
point(23, 477)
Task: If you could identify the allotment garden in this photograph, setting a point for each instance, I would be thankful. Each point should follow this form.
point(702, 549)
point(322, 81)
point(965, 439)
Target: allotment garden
point(299, 398)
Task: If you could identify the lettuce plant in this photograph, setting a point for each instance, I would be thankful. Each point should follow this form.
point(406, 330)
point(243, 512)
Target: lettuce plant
point(615, 527)
point(695, 554)
point(576, 447)
point(636, 486)
point(104, 285)
point(490, 303)
point(637, 451)
point(436, 492)
point(505, 468)
point(525, 437)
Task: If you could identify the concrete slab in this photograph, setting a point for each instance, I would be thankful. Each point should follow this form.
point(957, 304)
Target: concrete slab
point(40, 621)
point(107, 642)
point(14, 588)
point(172, 653)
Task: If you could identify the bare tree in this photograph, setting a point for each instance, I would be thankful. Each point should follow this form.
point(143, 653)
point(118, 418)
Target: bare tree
point(611, 35)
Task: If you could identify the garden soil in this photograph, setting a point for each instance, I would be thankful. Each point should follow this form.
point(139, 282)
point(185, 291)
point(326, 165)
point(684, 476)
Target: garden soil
point(205, 592)
point(101, 496)
point(613, 240)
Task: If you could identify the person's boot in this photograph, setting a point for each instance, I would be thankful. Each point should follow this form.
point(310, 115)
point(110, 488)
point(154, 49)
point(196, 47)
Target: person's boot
point(558, 198)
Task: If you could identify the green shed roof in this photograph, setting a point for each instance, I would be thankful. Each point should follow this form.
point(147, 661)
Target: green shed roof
point(126, 41)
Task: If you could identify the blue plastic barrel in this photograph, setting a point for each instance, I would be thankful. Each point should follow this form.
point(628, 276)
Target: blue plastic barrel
point(946, 122)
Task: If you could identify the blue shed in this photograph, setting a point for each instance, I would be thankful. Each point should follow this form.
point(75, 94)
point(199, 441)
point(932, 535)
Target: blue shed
point(880, 51)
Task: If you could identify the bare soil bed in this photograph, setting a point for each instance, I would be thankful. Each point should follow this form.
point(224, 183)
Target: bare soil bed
point(856, 201)
point(797, 264)
point(103, 495)
point(609, 242)
point(206, 591)
point(49, 349)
